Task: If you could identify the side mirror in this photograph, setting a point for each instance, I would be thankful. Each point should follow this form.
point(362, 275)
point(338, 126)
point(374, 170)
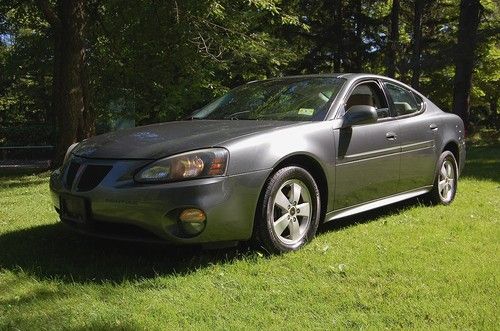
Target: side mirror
point(360, 114)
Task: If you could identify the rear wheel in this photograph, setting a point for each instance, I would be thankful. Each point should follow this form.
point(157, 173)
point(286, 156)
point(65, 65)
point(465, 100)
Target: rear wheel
point(289, 214)
point(445, 183)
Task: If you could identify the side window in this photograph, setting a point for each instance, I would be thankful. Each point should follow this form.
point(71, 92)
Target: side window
point(368, 94)
point(420, 101)
point(404, 101)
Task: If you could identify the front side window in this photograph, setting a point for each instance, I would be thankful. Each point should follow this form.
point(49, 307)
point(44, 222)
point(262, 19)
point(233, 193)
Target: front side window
point(368, 94)
point(301, 99)
point(404, 100)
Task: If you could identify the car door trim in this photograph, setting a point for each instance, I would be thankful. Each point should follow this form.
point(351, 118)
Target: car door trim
point(384, 152)
point(418, 146)
point(414, 147)
point(359, 208)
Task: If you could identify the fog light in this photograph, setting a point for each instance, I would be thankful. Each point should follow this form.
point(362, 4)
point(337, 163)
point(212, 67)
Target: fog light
point(192, 215)
point(192, 221)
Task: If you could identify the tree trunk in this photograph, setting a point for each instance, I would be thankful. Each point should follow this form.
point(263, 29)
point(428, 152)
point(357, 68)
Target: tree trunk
point(339, 56)
point(74, 120)
point(416, 44)
point(494, 115)
point(393, 39)
point(470, 16)
point(358, 61)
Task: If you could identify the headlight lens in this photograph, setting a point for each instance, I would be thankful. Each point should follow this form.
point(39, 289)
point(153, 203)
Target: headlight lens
point(68, 152)
point(196, 164)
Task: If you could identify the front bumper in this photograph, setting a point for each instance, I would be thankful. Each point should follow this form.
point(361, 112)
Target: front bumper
point(119, 203)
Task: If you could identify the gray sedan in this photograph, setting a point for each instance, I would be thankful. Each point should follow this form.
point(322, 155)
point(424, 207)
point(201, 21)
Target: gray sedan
point(268, 161)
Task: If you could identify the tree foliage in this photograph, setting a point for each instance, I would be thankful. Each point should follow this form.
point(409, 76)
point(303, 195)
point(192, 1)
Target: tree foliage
point(159, 60)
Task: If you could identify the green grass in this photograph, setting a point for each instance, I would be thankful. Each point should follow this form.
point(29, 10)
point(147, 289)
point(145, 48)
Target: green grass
point(404, 266)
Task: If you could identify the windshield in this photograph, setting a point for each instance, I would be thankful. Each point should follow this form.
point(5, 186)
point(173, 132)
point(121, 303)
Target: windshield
point(301, 99)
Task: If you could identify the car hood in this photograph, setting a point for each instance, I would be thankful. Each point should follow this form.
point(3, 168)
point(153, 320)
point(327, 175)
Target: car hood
point(164, 139)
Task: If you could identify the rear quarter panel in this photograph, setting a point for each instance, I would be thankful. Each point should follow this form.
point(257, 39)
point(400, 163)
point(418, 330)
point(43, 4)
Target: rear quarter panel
point(451, 130)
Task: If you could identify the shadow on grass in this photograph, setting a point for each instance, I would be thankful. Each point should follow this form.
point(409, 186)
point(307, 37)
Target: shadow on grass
point(22, 182)
point(23, 179)
point(5, 173)
point(483, 162)
point(55, 252)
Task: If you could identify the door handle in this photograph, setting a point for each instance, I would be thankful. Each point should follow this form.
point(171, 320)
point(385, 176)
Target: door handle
point(391, 135)
point(433, 127)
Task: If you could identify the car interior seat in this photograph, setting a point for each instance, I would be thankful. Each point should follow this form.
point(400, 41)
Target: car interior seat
point(359, 99)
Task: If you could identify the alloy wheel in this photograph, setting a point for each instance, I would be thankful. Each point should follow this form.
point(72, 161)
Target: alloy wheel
point(292, 211)
point(446, 181)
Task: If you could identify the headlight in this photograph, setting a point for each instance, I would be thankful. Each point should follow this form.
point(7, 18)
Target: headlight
point(68, 152)
point(196, 164)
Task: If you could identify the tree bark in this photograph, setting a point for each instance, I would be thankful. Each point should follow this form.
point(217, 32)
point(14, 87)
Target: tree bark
point(74, 120)
point(338, 31)
point(417, 44)
point(393, 39)
point(494, 115)
point(470, 17)
point(358, 61)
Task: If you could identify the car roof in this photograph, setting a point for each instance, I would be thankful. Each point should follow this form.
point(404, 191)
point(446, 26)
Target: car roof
point(348, 76)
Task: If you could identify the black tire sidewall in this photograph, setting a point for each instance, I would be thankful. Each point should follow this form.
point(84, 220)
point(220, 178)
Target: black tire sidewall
point(266, 233)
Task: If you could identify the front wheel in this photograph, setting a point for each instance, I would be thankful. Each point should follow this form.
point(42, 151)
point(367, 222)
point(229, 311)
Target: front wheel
point(289, 214)
point(446, 180)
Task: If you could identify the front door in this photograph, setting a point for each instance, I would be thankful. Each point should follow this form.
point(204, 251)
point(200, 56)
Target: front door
point(368, 156)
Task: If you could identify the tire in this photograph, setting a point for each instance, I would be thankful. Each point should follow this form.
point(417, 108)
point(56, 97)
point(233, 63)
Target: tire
point(446, 180)
point(282, 225)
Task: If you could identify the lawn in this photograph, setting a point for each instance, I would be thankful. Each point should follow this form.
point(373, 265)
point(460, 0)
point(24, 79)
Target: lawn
point(404, 266)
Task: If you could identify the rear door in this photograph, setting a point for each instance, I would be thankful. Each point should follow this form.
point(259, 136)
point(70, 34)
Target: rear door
point(367, 160)
point(417, 137)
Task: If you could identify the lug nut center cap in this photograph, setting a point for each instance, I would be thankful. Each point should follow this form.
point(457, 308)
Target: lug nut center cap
point(292, 211)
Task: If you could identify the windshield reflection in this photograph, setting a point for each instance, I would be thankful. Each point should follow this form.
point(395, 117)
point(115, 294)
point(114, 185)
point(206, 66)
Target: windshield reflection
point(300, 99)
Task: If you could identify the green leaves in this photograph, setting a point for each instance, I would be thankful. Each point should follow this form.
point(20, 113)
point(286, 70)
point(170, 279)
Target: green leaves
point(163, 59)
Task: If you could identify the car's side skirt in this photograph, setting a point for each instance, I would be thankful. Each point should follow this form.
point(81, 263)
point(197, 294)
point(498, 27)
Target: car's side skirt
point(376, 203)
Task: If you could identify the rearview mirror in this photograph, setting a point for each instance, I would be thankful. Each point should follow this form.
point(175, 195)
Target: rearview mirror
point(360, 114)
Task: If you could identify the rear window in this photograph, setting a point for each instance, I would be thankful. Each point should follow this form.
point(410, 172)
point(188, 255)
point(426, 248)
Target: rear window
point(405, 101)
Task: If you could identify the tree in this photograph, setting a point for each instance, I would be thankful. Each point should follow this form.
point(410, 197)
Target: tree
point(416, 44)
point(154, 61)
point(339, 33)
point(470, 17)
point(74, 120)
point(393, 39)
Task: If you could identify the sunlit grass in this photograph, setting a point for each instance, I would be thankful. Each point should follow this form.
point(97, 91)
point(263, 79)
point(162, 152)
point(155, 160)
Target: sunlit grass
point(404, 266)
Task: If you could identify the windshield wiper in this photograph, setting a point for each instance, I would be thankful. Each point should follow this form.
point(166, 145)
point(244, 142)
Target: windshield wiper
point(235, 115)
point(193, 118)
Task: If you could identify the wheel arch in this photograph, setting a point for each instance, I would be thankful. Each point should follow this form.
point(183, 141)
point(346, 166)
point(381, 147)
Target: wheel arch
point(310, 164)
point(452, 146)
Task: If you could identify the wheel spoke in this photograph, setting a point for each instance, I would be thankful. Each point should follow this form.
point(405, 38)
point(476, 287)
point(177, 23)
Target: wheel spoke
point(448, 170)
point(304, 209)
point(295, 192)
point(445, 191)
point(281, 224)
point(282, 201)
point(443, 171)
point(294, 230)
point(441, 185)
